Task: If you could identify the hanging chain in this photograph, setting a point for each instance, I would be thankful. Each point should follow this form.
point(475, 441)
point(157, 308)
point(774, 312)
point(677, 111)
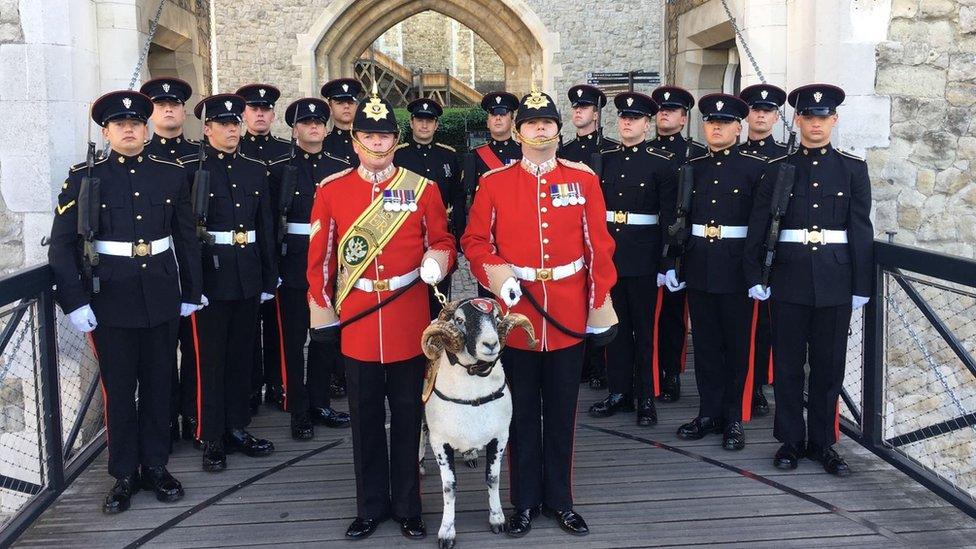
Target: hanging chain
point(145, 49)
point(752, 60)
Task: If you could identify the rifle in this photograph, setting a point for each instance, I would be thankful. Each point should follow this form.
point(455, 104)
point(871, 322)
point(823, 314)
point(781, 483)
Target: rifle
point(89, 206)
point(785, 178)
point(201, 193)
point(678, 232)
point(289, 183)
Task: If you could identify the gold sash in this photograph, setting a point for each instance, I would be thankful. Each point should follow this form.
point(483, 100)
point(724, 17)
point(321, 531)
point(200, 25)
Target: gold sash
point(371, 231)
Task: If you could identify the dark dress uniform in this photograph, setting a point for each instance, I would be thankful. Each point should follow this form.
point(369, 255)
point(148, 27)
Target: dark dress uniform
point(149, 264)
point(302, 393)
point(824, 257)
point(266, 368)
point(724, 184)
point(339, 141)
point(671, 325)
point(237, 269)
point(766, 97)
point(494, 153)
point(582, 147)
point(639, 185)
point(171, 148)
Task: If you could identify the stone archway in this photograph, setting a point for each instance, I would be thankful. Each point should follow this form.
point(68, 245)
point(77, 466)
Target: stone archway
point(347, 27)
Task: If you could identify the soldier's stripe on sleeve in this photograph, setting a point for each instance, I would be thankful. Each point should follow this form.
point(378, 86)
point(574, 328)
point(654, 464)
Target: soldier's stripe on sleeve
point(62, 209)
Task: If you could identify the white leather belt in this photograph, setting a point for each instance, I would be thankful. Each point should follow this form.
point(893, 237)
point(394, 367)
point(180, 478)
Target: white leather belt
point(719, 231)
point(554, 273)
point(300, 228)
point(627, 218)
point(234, 237)
point(387, 284)
point(132, 249)
point(806, 236)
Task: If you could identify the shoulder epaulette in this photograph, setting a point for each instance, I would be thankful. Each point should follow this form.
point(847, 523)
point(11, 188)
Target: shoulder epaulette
point(756, 156)
point(778, 158)
point(576, 166)
point(849, 155)
point(448, 147)
point(82, 165)
point(401, 145)
point(333, 177)
point(191, 141)
point(615, 149)
point(285, 141)
point(496, 170)
point(698, 157)
point(155, 158)
point(609, 140)
point(246, 157)
point(192, 157)
point(485, 144)
point(570, 142)
point(280, 159)
point(326, 153)
point(778, 144)
point(667, 155)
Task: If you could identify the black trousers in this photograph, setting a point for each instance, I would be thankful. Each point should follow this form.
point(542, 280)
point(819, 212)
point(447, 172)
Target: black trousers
point(672, 332)
point(387, 480)
point(817, 335)
point(187, 387)
point(594, 363)
point(266, 362)
point(722, 325)
point(130, 360)
point(224, 331)
point(632, 350)
point(545, 387)
point(306, 383)
point(763, 349)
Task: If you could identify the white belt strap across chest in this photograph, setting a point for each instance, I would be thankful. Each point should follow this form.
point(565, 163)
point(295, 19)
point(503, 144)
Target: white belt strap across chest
point(554, 273)
point(300, 228)
point(807, 236)
point(227, 238)
point(719, 231)
point(628, 218)
point(132, 249)
point(387, 284)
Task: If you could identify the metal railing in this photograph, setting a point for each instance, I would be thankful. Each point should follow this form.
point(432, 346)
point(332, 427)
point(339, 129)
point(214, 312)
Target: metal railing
point(51, 422)
point(910, 390)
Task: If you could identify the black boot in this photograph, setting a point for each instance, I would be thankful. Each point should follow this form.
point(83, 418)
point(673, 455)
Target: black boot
point(362, 528)
point(214, 456)
point(413, 527)
point(520, 521)
point(830, 459)
point(760, 406)
point(646, 412)
point(701, 426)
point(240, 440)
point(301, 427)
point(158, 479)
point(615, 402)
point(329, 417)
point(670, 388)
point(734, 437)
point(788, 456)
point(118, 497)
point(570, 521)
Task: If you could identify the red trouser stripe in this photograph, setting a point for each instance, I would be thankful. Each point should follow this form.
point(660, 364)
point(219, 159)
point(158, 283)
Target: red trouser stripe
point(750, 372)
point(684, 338)
point(769, 377)
point(837, 422)
point(281, 351)
point(655, 359)
point(196, 355)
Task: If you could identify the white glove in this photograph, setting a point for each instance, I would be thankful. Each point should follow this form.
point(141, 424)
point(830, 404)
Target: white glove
point(671, 281)
point(660, 280)
point(858, 301)
point(592, 330)
point(511, 292)
point(760, 293)
point(187, 309)
point(430, 271)
point(83, 319)
point(204, 301)
point(266, 297)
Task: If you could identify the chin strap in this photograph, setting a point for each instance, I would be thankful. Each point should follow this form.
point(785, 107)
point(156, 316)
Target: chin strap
point(375, 155)
point(535, 142)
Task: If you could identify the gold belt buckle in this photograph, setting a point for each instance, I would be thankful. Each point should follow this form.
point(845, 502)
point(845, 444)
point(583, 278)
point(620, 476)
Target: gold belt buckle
point(713, 231)
point(620, 217)
point(381, 285)
point(543, 274)
point(141, 249)
point(240, 237)
point(814, 237)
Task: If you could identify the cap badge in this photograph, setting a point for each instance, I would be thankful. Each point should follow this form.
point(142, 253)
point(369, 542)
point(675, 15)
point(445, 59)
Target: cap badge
point(424, 106)
point(630, 101)
point(345, 87)
point(817, 96)
point(536, 100)
point(166, 88)
point(719, 105)
point(262, 91)
point(375, 109)
point(126, 102)
point(764, 94)
point(579, 92)
point(498, 100)
point(229, 105)
point(311, 107)
point(667, 95)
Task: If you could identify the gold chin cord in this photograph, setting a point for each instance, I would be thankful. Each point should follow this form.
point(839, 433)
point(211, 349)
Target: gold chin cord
point(535, 142)
point(371, 154)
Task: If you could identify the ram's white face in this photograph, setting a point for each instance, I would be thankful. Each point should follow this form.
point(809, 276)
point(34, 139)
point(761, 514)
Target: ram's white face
point(477, 320)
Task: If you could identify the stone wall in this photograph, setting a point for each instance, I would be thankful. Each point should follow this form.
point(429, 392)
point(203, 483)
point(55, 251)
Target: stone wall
point(924, 184)
point(11, 223)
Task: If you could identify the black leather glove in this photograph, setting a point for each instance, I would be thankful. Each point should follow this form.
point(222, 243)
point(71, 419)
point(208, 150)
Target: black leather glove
point(327, 334)
point(603, 338)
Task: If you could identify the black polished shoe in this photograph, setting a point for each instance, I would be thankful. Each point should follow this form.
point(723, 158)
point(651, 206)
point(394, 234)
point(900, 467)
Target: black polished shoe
point(615, 402)
point(329, 417)
point(118, 497)
point(701, 426)
point(734, 437)
point(788, 456)
point(520, 521)
point(162, 484)
point(274, 396)
point(254, 404)
point(570, 521)
point(301, 427)
point(646, 412)
point(670, 389)
point(188, 426)
point(760, 406)
point(413, 528)
point(240, 440)
point(598, 383)
point(362, 528)
point(214, 456)
point(830, 459)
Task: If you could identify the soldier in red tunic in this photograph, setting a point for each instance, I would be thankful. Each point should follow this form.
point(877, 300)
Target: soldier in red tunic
point(539, 227)
point(376, 231)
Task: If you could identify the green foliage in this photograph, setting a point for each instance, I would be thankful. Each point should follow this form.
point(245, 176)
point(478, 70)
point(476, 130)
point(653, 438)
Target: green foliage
point(451, 130)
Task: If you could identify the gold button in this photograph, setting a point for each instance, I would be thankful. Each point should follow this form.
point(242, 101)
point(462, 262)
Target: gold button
point(132, 171)
point(815, 184)
point(814, 162)
point(718, 163)
point(626, 158)
point(542, 195)
point(257, 192)
point(168, 201)
point(544, 209)
point(234, 185)
point(641, 184)
point(716, 181)
point(103, 205)
point(211, 195)
point(135, 193)
point(735, 191)
point(815, 227)
point(543, 181)
point(840, 194)
point(546, 257)
point(545, 225)
point(814, 248)
point(381, 267)
point(238, 204)
point(296, 192)
point(139, 217)
point(620, 194)
point(617, 229)
point(816, 205)
point(713, 201)
point(623, 175)
point(545, 240)
point(141, 241)
point(143, 265)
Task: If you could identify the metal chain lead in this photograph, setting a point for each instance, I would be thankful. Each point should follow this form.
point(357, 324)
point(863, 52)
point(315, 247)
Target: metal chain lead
point(752, 60)
point(145, 49)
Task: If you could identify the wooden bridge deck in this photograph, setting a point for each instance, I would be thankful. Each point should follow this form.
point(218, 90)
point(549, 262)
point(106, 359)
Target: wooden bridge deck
point(636, 487)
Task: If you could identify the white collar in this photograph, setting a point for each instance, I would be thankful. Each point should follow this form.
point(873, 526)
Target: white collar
point(539, 169)
point(376, 177)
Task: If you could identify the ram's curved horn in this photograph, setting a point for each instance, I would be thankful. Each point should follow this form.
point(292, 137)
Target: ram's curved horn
point(448, 311)
point(516, 320)
point(440, 336)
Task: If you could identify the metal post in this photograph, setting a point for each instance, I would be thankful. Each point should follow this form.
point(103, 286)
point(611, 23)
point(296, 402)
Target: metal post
point(447, 78)
point(51, 390)
point(872, 368)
